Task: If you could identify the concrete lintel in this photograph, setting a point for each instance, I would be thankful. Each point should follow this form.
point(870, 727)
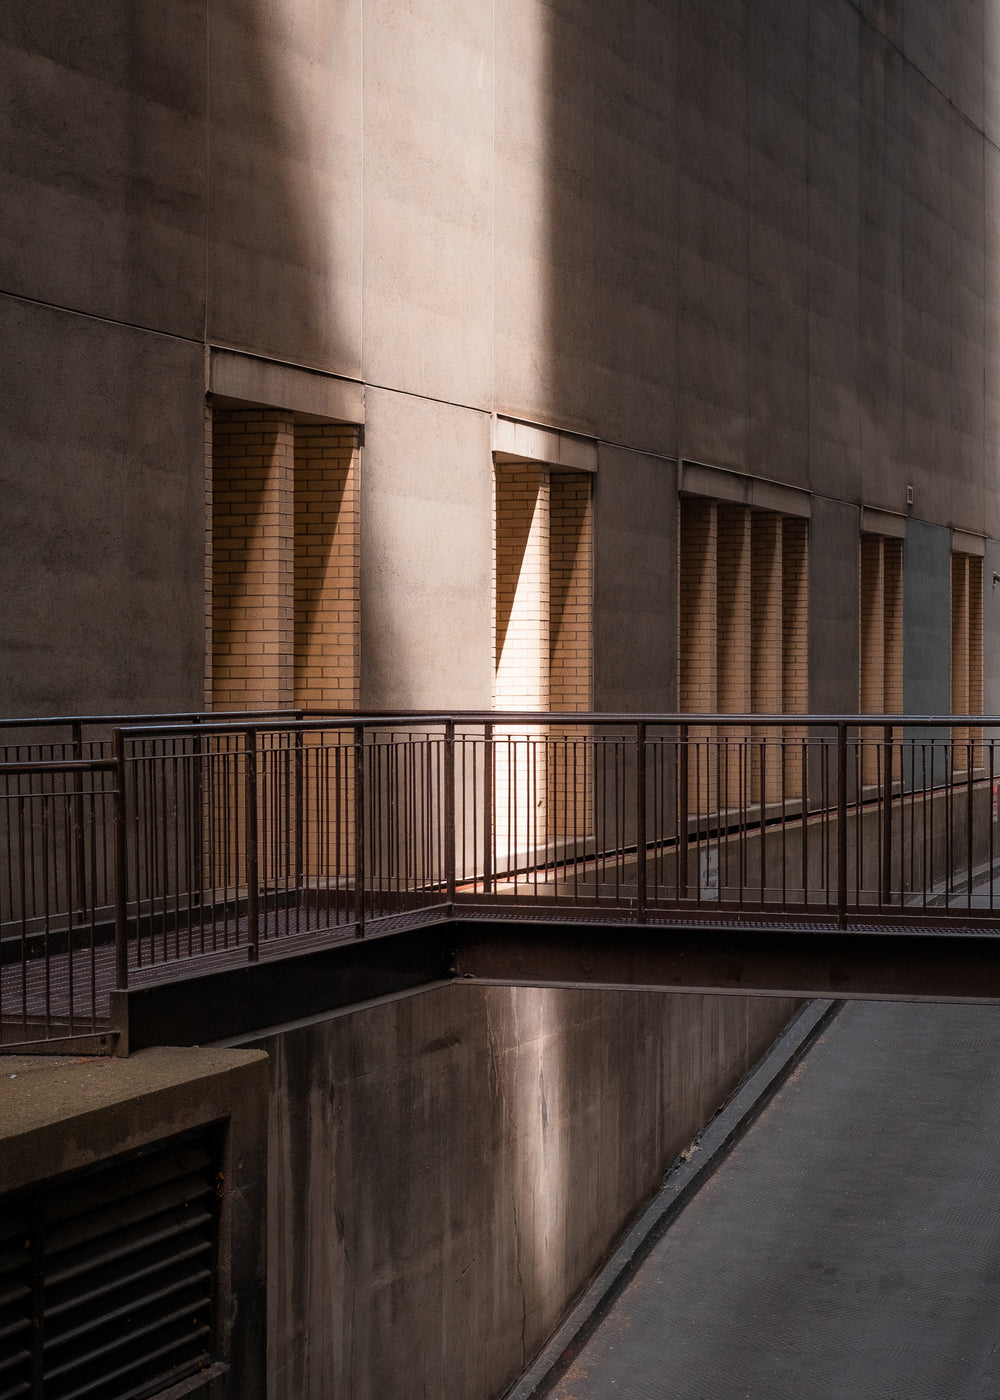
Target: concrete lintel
point(246, 381)
point(514, 441)
point(964, 543)
point(722, 484)
point(883, 522)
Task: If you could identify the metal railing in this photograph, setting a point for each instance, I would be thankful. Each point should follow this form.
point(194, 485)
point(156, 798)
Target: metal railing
point(135, 850)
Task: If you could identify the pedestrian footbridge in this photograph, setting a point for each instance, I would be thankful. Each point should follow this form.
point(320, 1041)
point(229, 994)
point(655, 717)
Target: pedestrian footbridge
point(181, 879)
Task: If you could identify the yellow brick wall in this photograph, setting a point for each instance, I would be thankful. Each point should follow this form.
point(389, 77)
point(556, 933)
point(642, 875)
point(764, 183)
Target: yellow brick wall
point(521, 605)
point(892, 627)
point(570, 589)
point(282, 561)
point(327, 560)
point(966, 652)
point(733, 620)
point(542, 608)
point(209, 558)
point(794, 644)
point(880, 621)
point(253, 559)
point(742, 641)
point(697, 594)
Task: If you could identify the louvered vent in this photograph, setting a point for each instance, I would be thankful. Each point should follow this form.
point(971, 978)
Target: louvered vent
point(15, 1304)
point(120, 1266)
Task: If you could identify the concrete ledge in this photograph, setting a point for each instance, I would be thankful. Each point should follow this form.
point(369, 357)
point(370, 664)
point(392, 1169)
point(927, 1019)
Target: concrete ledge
point(514, 441)
point(64, 1118)
point(60, 1118)
point(883, 522)
point(721, 484)
point(245, 381)
point(964, 543)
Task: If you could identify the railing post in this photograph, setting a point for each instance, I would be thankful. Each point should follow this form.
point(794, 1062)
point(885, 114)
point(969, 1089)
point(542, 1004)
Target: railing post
point(885, 892)
point(449, 812)
point(252, 850)
point(488, 808)
point(299, 799)
point(681, 840)
point(359, 830)
point(121, 862)
point(842, 825)
point(969, 818)
point(79, 844)
point(640, 821)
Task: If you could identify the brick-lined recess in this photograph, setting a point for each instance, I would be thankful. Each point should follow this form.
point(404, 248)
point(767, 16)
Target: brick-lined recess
point(742, 637)
point(283, 570)
point(733, 629)
point(966, 653)
point(327, 562)
point(252, 559)
point(570, 646)
point(543, 577)
point(880, 676)
point(570, 588)
point(521, 566)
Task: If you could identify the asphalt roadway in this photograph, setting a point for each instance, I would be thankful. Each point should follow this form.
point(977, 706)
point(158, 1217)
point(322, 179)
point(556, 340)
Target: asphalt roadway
point(847, 1247)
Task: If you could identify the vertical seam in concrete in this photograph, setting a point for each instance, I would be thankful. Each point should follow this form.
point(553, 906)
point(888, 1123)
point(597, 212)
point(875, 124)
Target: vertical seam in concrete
point(208, 172)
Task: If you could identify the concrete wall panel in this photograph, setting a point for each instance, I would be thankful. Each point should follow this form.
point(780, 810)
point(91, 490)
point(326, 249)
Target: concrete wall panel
point(428, 192)
point(447, 1170)
point(426, 551)
point(713, 316)
point(834, 535)
point(635, 582)
point(285, 180)
point(926, 620)
point(102, 486)
point(927, 303)
point(834, 249)
point(102, 159)
point(883, 461)
point(968, 323)
point(585, 217)
point(778, 250)
point(991, 336)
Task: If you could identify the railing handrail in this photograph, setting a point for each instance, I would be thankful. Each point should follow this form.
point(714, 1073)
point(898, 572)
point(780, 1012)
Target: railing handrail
point(60, 765)
point(385, 719)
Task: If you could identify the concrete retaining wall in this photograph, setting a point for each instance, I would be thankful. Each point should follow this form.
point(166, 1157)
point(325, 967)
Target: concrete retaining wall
point(449, 1168)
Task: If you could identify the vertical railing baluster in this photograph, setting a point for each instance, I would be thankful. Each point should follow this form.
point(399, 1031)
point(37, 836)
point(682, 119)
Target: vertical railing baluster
point(121, 862)
point(252, 835)
point(359, 830)
point(449, 812)
point(885, 890)
point(681, 837)
point(640, 821)
point(79, 852)
point(842, 825)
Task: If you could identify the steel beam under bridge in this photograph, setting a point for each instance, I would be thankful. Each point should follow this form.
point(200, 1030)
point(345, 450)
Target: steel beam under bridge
point(901, 964)
point(953, 964)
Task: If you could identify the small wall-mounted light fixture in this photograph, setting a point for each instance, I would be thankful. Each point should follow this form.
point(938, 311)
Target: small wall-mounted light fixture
point(909, 495)
point(996, 580)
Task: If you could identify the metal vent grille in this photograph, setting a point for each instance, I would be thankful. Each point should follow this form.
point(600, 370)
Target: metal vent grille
point(15, 1305)
point(107, 1282)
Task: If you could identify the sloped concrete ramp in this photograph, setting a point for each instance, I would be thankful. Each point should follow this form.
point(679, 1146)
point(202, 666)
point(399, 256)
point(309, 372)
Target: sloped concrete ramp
point(847, 1246)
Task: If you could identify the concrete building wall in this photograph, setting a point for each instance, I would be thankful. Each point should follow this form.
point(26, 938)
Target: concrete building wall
point(449, 1168)
point(756, 236)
